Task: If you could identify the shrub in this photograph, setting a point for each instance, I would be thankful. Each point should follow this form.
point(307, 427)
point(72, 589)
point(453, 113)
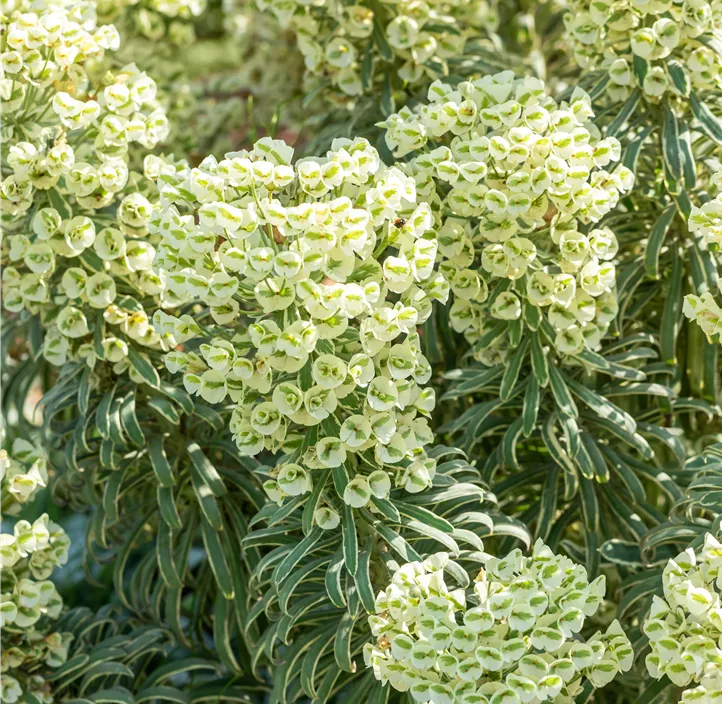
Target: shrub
point(361, 352)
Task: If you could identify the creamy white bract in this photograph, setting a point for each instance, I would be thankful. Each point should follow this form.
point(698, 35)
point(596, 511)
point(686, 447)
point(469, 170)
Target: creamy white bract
point(315, 277)
point(685, 627)
point(705, 222)
point(23, 472)
point(29, 603)
point(516, 181)
point(513, 638)
point(74, 213)
point(658, 45)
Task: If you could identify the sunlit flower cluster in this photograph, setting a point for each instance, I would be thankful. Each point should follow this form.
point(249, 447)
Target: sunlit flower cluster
point(29, 603)
point(705, 311)
point(62, 129)
point(706, 220)
point(315, 277)
point(657, 46)
point(85, 272)
point(513, 638)
point(79, 253)
point(354, 45)
point(685, 627)
point(22, 472)
point(515, 180)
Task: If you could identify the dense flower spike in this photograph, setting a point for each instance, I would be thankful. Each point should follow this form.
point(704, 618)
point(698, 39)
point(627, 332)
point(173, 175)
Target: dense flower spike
point(685, 627)
point(79, 212)
point(29, 604)
point(512, 639)
point(354, 46)
point(662, 47)
point(515, 180)
point(331, 266)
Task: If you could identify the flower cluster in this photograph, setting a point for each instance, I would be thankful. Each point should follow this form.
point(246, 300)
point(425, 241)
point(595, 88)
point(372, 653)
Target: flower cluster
point(65, 130)
point(29, 603)
point(514, 179)
point(81, 273)
point(705, 311)
point(315, 277)
point(685, 627)
point(705, 223)
point(513, 638)
point(22, 473)
point(650, 44)
point(154, 19)
point(67, 154)
point(354, 45)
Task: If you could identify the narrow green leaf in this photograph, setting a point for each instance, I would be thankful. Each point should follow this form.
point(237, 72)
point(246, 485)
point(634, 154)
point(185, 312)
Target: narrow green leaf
point(206, 470)
point(362, 578)
point(491, 336)
point(129, 421)
point(342, 643)
point(625, 112)
point(631, 153)
point(562, 396)
point(590, 505)
point(159, 462)
point(622, 552)
point(367, 67)
point(656, 241)
point(223, 627)
point(680, 77)
point(208, 503)
point(640, 67)
point(285, 568)
point(425, 516)
point(511, 374)
point(350, 540)
point(167, 694)
point(671, 315)
point(508, 444)
point(110, 497)
point(555, 448)
point(166, 561)
point(313, 501)
point(168, 508)
point(116, 695)
point(165, 409)
point(102, 414)
point(143, 366)
point(547, 504)
point(60, 204)
point(180, 396)
point(531, 406)
point(333, 579)
point(217, 559)
point(670, 143)
point(539, 362)
point(708, 122)
point(379, 36)
point(84, 392)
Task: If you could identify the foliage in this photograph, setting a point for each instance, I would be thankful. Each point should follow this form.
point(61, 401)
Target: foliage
point(377, 333)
